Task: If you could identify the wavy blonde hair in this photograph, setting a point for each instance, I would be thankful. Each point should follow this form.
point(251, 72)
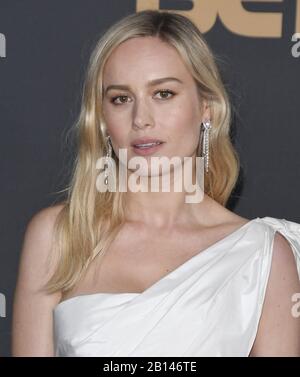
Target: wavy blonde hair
point(89, 219)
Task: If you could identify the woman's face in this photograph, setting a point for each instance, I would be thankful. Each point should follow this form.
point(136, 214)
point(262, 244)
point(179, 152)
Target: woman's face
point(168, 111)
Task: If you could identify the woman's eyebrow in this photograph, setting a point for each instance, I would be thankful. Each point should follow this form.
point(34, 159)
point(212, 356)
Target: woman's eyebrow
point(150, 83)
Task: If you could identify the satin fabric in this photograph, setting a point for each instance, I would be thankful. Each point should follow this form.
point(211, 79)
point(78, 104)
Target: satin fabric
point(208, 306)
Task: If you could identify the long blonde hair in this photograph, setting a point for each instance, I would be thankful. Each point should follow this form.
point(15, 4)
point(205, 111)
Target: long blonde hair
point(89, 219)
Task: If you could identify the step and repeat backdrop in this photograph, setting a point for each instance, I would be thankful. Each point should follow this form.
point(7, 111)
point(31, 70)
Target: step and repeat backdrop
point(44, 49)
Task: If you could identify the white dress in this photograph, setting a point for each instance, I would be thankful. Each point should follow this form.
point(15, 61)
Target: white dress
point(208, 306)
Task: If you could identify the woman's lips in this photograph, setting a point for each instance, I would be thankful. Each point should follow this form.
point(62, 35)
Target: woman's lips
point(148, 150)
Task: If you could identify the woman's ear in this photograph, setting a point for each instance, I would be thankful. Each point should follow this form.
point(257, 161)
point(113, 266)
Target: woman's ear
point(206, 114)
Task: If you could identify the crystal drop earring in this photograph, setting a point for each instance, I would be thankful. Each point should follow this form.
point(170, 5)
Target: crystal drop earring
point(108, 155)
point(205, 145)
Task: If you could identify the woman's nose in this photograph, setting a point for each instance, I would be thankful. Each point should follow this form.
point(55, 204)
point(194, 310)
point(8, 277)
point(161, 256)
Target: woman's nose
point(142, 115)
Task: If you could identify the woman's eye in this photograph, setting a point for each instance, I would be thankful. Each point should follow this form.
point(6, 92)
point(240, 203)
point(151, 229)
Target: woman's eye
point(115, 98)
point(165, 92)
point(121, 98)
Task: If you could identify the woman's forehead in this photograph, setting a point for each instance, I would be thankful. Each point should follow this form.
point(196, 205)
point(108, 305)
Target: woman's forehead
point(146, 63)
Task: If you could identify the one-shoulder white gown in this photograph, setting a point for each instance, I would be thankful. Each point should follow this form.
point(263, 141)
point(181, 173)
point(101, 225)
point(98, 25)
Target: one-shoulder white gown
point(208, 306)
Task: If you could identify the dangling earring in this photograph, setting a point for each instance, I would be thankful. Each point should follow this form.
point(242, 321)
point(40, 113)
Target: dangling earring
point(205, 145)
point(108, 155)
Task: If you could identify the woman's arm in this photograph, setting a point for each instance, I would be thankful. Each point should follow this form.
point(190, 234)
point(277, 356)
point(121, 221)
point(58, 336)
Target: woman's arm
point(279, 330)
point(32, 325)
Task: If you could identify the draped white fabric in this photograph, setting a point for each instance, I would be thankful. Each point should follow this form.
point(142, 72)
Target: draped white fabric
point(208, 306)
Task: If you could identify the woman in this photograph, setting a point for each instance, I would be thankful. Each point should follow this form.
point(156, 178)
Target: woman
point(144, 273)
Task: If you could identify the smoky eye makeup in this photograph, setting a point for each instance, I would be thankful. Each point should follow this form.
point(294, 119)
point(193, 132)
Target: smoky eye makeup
point(165, 95)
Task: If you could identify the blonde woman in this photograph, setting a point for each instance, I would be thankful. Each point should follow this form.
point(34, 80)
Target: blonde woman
point(144, 273)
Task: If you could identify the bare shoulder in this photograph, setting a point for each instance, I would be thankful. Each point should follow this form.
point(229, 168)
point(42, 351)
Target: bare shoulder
point(32, 307)
point(231, 221)
point(38, 237)
point(222, 217)
point(36, 246)
point(283, 276)
point(43, 221)
point(283, 257)
point(279, 328)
